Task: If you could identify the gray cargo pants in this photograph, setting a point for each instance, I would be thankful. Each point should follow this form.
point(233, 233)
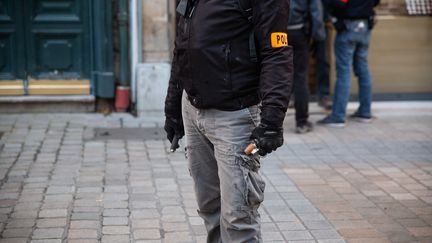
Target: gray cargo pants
point(228, 194)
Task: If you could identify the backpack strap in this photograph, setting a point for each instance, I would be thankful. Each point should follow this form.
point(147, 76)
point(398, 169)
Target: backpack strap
point(247, 10)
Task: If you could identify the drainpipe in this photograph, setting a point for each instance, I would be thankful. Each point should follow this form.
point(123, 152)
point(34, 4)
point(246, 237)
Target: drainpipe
point(123, 89)
point(135, 44)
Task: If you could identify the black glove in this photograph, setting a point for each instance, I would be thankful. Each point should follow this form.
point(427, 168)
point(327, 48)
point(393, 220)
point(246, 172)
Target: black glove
point(267, 138)
point(174, 129)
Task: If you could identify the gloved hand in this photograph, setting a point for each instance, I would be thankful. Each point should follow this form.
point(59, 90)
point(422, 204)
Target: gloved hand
point(174, 128)
point(267, 138)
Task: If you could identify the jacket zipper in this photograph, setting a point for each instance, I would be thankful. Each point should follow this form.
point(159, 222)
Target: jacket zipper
point(227, 64)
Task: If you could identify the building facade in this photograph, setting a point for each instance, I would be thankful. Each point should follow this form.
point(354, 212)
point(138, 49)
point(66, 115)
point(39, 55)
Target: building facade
point(82, 50)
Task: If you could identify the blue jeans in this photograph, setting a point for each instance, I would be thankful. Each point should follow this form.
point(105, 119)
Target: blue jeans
point(351, 49)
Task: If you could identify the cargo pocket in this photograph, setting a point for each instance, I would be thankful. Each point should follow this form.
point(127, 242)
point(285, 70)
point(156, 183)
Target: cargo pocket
point(254, 186)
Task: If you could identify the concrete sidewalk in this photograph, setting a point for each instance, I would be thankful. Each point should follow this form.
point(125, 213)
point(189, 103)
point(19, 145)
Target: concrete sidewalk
point(71, 178)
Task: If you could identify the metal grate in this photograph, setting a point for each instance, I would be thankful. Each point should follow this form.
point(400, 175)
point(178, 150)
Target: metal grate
point(128, 134)
point(419, 7)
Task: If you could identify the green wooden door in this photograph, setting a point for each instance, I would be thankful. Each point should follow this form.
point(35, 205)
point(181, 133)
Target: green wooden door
point(58, 39)
point(12, 53)
point(55, 44)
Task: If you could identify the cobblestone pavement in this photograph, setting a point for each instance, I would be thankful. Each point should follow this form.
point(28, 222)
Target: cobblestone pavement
point(365, 183)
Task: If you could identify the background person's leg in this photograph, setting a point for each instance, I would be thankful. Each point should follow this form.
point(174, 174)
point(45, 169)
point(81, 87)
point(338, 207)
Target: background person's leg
point(299, 42)
point(344, 50)
point(322, 68)
point(361, 70)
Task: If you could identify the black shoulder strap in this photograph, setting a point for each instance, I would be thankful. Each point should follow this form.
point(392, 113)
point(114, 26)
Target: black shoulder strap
point(246, 8)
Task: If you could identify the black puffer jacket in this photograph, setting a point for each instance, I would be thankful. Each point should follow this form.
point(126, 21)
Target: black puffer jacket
point(352, 9)
point(212, 60)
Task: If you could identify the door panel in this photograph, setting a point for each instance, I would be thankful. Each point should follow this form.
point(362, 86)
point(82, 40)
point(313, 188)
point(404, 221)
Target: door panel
point(58, 44)
point(11, 42)
point(60, 11)
point(57, 55)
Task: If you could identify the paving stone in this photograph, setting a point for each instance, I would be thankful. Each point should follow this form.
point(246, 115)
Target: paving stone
point(48, 241)
point(115, 230)
point(85, 216)
point(51, 222)
point(48, 233)
point(178, 237)
point(325, 234)
point(147, 234)
point(115, 221)
point(115, 239)
point(84, 224)
point(360, 233)
point(297, 235)
point(14, 240)
point(318, 224)
point(115, 204)
point(82, 234)
point(115, 212)
point(145, 214)
point(272, 236)
point(83, 241)
point(332, 241)
point(60, 189)
point(17, 233)
point(421, 231)
point(53, 213)
point(145, 223)
point(170, 227)
point(31, 214)
point(21, 223)
point(289, 226)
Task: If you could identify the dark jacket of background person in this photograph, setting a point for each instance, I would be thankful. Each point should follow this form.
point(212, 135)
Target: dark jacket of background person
point(212, 60)
point(352, 9)
point(308, 13)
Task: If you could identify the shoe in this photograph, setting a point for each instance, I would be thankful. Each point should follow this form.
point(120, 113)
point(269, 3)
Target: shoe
point(304, 128)
point(331, 122)
point(325, 102)
point(360, 118)
point(291, 102)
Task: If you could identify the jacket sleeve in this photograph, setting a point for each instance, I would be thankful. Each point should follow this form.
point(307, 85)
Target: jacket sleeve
point(175, 89)
point(317, 19)
point(270, 18)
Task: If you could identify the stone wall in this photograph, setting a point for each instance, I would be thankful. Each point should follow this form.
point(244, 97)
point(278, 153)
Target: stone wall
point(158, 29)
point(395, 7)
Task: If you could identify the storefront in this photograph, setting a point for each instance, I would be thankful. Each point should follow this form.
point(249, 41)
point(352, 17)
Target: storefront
point(400, 54)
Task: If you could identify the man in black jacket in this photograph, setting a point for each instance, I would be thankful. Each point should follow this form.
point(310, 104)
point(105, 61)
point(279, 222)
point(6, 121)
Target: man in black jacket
point(305, 22)
point(230, 56)
point(354, 20)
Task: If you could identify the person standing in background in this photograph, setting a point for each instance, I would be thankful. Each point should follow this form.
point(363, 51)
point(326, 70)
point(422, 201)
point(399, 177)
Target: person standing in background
point(321, 53)
point(354, 20)
point(305, 22)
